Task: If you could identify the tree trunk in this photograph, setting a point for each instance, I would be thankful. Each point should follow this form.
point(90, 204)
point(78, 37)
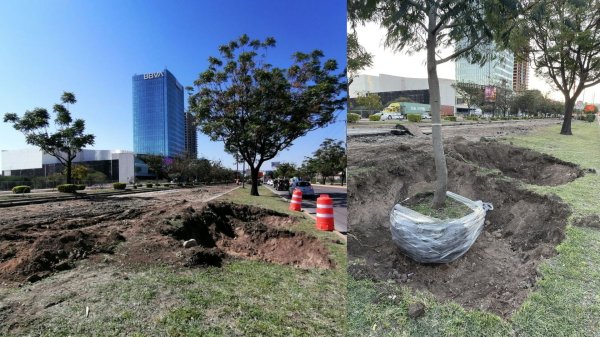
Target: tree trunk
point(254, 175)
point(69, 179)
point(441, 172)
point(566, 125)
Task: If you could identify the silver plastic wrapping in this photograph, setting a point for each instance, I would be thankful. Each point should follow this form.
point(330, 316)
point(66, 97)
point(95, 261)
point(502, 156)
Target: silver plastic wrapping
point(430, 240)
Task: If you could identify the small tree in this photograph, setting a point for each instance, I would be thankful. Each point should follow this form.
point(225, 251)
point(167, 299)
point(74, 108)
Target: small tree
point(471, 94)
point(433, 25)
point(369, 101)
point(285, 170)
point(257, 109)
point(330, 158)
point(561, 38)
point(80, 172)
point(67, 140)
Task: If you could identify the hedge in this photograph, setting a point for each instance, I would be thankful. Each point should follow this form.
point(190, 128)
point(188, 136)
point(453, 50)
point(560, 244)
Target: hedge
point(414, 118)
point(149, 185)
point(21, 189)
point(119, 186)
point(353, 118)
point(375, 118)
point(67, 188)
point(80, 187)
point(450, 118)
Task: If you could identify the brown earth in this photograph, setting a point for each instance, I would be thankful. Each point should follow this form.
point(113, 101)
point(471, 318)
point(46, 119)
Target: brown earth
point(149, 228)
point(499, 270)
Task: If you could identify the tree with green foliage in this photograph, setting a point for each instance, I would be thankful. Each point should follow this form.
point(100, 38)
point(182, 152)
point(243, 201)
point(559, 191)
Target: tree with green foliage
point(368, 101)
point(358, 57)
point(68, 138)
point(257, 109)
point(471, 94)
point(156, 164)
point(561, 38)
point(308, 169)
point(285, 170)
point(80, 172)
point(432, 25)
point(330, 158)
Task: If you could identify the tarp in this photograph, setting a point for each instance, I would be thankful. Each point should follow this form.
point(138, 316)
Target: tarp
point(429, 240)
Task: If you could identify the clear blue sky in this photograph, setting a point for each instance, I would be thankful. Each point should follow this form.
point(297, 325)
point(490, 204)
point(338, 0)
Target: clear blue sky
point(93, 48)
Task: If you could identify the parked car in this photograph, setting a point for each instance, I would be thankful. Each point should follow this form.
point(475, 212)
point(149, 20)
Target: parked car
point(304, 186)
point(391, 115)
point(426, 116)
point(270, 182)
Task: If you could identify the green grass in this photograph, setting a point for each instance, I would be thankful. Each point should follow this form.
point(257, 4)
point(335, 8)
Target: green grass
point(241, 298)
point(566, 300)
point(451, 210)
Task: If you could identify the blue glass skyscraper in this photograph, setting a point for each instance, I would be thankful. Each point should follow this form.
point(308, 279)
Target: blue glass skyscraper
point(158, 116)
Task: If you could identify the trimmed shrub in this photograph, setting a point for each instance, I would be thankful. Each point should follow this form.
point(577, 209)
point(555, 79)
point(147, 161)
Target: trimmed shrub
point(450, 118)
point(353, 118)
point(119, 186)
point(375, 118)
point(67, 188)
point(414, 118)
point(157, 184)
point(590, 117)
point(472, 118)
point(135, 187)
point(149, 185)
point(80, 187)
point(21, 189)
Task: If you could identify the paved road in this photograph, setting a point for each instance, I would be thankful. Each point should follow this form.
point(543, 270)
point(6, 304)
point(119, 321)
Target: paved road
point(340, 209)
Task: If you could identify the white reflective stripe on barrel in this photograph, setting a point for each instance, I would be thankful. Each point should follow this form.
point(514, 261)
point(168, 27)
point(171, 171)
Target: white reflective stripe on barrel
point(319, 215)
point(296, 202)
point(324, 206)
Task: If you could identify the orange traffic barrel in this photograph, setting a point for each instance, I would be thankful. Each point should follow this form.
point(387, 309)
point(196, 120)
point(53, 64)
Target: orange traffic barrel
point(325, 213)
point(296, 202)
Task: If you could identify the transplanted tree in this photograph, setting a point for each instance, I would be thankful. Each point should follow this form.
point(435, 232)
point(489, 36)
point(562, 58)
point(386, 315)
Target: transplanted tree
point(68, 138)
point(257, 109)
point(562, 39)
point(433, 25)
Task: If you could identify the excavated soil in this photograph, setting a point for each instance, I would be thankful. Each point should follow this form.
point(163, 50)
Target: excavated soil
point(499, 270)
point(38, 240)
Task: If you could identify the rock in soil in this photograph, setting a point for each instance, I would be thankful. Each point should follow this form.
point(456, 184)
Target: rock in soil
point(416, 310)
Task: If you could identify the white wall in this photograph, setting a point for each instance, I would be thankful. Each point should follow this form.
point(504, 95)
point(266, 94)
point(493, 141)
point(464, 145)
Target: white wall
point(126, 166)
point(21, 159)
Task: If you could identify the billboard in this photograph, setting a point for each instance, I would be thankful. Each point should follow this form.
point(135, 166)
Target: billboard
point(489, 94)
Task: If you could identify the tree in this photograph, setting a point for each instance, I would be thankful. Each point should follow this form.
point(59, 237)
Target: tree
point(80, 172)
point(562, 38)
point(431, 25)
point(330, 158)
point(68, 138)
point(285, 170)
point(368, 101)
point(257, 109)
point(308, 169)
point(156, 164)
point(358, 57)
point(471, 94)
point(504, 98)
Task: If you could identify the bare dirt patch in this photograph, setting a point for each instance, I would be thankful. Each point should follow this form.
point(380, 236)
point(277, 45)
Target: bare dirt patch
point(38, 240)
point(499, 269)
point(516, 162)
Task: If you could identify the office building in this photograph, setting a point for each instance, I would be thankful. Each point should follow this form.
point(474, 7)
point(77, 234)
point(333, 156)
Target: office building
point(390, 88)
point(521, 75)
point(158, 114)
point(191, 137)
point(116, 165)
point(497, 72)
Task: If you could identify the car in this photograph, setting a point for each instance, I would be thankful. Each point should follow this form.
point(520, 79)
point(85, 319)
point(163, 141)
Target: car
point(426, 116)
point(391, 115)
point(270, 182)
point(305, 188)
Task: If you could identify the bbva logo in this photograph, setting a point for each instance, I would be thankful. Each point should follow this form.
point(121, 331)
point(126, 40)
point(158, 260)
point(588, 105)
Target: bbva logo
point(154, 75)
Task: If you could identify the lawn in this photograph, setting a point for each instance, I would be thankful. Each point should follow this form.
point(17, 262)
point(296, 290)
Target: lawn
point(241, 298)
point(566, 300)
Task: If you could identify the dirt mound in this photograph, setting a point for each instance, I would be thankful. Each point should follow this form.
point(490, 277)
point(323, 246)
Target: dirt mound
point(225, 229)
point(500, 267)
point(38, 240)
point(524, 164)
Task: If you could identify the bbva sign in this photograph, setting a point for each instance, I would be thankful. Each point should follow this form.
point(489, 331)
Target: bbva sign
point(154, 75)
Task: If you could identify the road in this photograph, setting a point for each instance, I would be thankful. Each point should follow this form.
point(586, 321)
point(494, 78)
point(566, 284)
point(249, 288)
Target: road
point(340, 209)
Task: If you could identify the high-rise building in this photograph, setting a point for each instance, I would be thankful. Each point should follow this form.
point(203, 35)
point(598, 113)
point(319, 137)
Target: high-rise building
point(158, 116)
point(191, 137)
point(521, 75)
point(497, 72)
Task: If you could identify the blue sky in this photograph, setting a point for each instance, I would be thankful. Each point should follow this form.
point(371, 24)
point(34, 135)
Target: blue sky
point(93, 48)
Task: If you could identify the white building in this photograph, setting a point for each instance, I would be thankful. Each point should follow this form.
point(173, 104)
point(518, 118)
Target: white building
point(118, 165)
point(390, 87)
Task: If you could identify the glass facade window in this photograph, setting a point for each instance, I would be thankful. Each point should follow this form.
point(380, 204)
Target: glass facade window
point(158, 114)
point(497, 72)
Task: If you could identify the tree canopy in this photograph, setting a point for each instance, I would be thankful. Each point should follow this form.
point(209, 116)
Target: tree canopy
point(562, 39)
point(258, 109)
point(65, 142)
